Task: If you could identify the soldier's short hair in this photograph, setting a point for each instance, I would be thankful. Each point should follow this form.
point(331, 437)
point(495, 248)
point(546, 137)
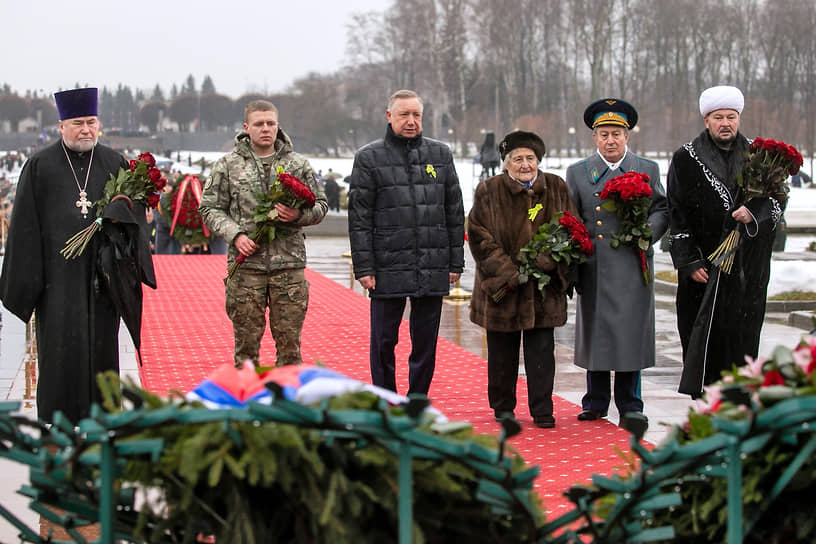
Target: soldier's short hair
point(258, 105)
point(404, 93)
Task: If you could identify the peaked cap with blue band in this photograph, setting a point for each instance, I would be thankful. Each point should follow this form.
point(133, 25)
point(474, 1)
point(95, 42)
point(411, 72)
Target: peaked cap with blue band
point(77, 103)
point(610, 111)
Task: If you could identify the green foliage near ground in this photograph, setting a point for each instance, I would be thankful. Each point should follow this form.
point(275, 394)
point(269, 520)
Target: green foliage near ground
point(257, 482)
point(771, 447)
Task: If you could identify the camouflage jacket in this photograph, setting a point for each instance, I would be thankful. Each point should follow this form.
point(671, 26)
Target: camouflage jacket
point(231, 195)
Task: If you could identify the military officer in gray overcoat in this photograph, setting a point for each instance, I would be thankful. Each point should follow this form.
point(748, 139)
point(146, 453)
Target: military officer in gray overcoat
point(615, 322)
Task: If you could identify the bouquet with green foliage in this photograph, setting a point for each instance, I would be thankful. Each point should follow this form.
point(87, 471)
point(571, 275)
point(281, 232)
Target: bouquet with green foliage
point(141, 182)
point(629, 196)
point(287, 190)
point(768, 164)
point(564, 239)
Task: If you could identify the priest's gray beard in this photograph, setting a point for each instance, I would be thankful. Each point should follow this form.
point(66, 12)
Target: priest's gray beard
point(80, 146)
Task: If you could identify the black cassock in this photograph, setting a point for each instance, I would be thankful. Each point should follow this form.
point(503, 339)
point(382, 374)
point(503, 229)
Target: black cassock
point(720, 321)
point(77, 321)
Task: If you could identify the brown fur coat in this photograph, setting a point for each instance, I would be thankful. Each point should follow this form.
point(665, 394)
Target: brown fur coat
point(498, 227)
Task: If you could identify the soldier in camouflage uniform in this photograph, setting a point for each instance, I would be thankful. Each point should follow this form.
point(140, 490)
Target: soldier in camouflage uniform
point(273, 273)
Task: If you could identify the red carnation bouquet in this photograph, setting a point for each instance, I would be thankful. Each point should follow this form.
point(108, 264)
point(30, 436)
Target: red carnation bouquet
point(287, 190)
point(141, 182)
point(768, 164)
point(629, 196)
point(564, 238)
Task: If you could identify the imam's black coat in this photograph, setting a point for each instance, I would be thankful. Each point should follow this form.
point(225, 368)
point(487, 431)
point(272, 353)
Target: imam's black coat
point(719, 321)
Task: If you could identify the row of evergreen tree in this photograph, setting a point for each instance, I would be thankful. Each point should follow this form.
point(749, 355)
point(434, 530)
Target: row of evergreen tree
point(534, 64)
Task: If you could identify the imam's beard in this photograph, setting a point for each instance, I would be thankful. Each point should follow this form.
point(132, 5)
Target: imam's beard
point(723, 143)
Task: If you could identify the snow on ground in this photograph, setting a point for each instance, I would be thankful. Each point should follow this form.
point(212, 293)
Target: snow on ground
point(786, 275)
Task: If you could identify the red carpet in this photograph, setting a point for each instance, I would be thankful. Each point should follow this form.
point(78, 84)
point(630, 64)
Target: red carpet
point(186, 333)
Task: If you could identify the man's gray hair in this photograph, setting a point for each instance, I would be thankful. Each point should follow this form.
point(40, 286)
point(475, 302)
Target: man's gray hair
point(625, 130)
point(404, 93)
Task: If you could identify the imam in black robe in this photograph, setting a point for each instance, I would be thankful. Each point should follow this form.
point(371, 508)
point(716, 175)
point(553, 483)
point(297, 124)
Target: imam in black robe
point(719, 321)
point(77, 323)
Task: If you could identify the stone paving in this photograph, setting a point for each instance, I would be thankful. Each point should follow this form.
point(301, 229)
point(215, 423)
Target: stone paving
point(659, 384)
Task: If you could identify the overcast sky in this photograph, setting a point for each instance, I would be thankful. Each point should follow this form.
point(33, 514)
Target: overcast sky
point(243, 45)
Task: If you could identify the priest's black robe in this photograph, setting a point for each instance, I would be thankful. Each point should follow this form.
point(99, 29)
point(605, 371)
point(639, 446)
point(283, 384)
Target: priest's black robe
point(719, 321)
point(77, 323)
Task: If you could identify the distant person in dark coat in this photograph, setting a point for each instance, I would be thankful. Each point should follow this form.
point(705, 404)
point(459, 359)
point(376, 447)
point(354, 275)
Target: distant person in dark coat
point(489, 156)
point(165, 243)
point(332, 190)
point(800, 179)
point(406, 228)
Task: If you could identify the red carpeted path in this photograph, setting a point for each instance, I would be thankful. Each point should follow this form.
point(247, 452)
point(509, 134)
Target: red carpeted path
point(186, 334)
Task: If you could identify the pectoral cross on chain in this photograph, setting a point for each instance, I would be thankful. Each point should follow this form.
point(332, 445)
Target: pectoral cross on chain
point(83, 203)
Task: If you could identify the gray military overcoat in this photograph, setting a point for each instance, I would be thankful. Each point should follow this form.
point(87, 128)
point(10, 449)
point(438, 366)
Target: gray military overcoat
point(615, 321)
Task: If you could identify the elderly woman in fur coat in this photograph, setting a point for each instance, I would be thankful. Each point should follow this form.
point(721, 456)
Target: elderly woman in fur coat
point(499, 225)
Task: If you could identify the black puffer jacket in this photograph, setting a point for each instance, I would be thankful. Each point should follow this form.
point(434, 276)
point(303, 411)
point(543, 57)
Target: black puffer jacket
point(406, 218)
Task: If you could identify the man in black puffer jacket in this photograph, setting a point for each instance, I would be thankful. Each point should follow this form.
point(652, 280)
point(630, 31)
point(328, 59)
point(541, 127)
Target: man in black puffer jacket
point(406, 227)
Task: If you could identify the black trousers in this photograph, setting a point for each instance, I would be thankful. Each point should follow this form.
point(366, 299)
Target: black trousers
point(503, 364)
point(423, 324)
point(627, 391)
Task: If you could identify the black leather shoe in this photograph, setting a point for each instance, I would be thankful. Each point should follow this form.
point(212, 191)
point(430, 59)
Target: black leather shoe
point(544, 422)
point(498, 416)
point(635, 422)
point(590, 415)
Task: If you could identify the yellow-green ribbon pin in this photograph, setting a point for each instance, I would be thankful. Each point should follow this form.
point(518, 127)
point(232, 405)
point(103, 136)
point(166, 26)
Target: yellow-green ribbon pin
point(430, 170)
point(533, 212)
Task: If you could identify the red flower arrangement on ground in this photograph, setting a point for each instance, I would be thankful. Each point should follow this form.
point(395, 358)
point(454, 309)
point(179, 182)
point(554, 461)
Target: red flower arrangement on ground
point(287, 190)
point(563, 238)
point(184, 202)
point(629, 196)
point(786, 373)
point(141, 182)
point(768, 164)
point(187, 209)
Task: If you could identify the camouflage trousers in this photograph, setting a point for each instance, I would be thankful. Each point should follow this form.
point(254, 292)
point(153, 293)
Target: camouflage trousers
point(249, 293)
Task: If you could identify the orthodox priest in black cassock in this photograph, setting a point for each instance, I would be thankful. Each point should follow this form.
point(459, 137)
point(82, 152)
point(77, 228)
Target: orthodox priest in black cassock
point(719, 321)
point(76, 318)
